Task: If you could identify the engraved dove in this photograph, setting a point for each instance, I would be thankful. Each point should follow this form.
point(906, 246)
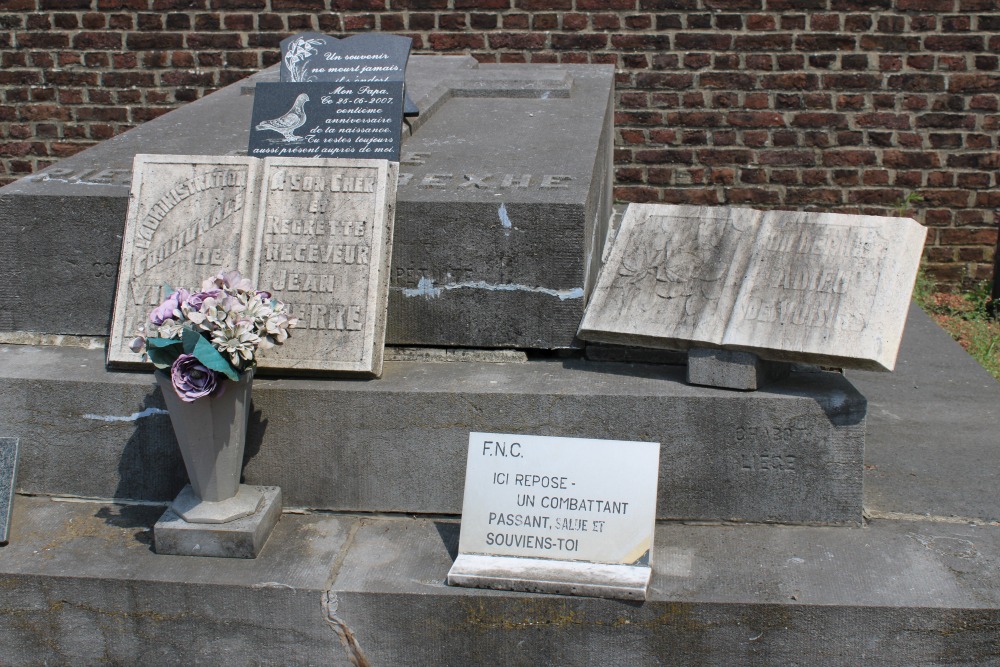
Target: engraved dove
point(289, 122)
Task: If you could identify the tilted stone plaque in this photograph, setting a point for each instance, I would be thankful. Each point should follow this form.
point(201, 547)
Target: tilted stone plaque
point(320, 119)
point(558, 515)
point(189, 217)
point(370, 57)
point(323, 247)
point(820, 288)
point(8, 480)
point(316, 233)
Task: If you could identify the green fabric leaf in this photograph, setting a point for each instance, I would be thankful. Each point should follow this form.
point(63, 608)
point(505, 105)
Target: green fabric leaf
point(205, 352)
point(163, 351)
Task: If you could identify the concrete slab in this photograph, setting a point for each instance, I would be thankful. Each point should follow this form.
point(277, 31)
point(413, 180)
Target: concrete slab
point(892, 593)
point(82, 586)
point(933, 429)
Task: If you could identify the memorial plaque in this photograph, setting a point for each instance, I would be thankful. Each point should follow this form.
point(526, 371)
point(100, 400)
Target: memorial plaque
point(315, 233)
point(580, 510)
point(371, 57)
point(820, 288)
point(188, 218)
point(8, 479)
point(324, 242)
point(321, 119)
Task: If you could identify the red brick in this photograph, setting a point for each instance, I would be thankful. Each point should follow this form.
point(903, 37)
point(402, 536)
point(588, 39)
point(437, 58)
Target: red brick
point(849, 158)
point(752, 196)
point(585, 42)
point(640, 42)
point(755, 119)
point(664, 156)
point(727, 80)
point(974, 83)
point(515, 40)
point(819, 120)
point(954, 43)
point(695, 119)
point(769, 42)
point(727, 156)
point(790, 81)
point(482, 4)
point(703, 41)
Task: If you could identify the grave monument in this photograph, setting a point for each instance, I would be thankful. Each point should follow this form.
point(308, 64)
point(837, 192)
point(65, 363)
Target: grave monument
point(502, 217)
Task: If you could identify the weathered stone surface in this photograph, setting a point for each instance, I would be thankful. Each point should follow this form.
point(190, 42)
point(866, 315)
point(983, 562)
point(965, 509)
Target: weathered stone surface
point(924, 591)
point(812, 287)
point(313, 232)
point(536, 575)
point(8, 480)
point(511, 286)
point(240, 538)
point(82, 585)
point(731, 369)
point(324, 236)
point(189, 217)
point(790, 453)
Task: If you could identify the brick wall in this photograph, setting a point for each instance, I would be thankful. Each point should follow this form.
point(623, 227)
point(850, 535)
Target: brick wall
point(842, 105)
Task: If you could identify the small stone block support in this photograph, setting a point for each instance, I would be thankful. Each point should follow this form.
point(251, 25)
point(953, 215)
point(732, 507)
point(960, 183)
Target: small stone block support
point(536, 575)
point(732, 369)
point(240, 538)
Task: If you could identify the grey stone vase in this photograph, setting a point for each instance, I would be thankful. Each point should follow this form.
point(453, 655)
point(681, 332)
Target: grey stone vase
point(211, 432)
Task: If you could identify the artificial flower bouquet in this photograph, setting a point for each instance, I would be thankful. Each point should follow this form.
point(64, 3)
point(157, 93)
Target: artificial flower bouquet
point(205, 336)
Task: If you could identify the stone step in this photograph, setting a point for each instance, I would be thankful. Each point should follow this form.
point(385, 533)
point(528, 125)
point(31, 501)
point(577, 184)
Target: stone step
point(82, 585)
point(791, 453)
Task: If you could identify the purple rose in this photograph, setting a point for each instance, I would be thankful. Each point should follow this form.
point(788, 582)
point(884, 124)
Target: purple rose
point(195, 300)
point(170, 308)
point(191, 380)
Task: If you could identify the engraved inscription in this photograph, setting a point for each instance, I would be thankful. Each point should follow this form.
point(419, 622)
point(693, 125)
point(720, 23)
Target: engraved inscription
point(812, 287)
point(768, 462)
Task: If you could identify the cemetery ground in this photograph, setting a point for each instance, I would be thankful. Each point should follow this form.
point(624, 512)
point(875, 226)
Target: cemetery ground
point(967, 317)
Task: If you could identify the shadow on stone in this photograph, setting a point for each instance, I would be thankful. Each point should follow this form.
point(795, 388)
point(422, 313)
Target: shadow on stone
point(256, 427)
point(132, 516)
point(448, 531)
point(151, 467)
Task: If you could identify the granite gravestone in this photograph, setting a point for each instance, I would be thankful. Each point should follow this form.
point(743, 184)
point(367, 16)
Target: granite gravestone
point(820, 288)
point(558, 515)
point(8, 480)
point(327, 120)
point(370, 57)
point(316, 231)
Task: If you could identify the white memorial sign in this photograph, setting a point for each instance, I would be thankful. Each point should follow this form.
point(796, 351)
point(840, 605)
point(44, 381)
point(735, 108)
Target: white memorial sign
point(558, 515)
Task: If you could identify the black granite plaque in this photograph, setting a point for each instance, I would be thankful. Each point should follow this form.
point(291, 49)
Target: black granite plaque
point(8, 476)
point(371, 57)
point(352, 119)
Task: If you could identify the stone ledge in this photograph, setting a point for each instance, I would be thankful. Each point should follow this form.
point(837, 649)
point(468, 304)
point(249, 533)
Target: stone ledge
point(789, 454)
point(82, 585)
